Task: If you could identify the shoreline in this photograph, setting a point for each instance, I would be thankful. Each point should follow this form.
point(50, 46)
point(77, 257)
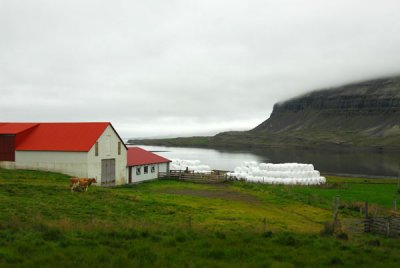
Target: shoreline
point(327, 148)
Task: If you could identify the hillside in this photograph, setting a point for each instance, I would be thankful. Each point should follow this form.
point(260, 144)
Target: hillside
point(364, 115)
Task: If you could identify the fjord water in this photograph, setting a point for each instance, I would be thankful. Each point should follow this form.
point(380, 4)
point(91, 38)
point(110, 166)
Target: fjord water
point(338, 162)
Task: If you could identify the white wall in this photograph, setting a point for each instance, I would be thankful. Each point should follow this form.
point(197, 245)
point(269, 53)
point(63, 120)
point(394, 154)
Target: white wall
point(149, 176)
point(108, 149)
point(71, 163)
point(164, 167)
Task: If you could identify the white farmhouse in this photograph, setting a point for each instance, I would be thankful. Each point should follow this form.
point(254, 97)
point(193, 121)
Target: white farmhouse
point(91, 150)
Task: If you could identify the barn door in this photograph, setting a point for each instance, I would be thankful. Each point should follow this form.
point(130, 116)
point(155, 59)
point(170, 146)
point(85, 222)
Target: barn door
point(108, 171)
point(130, 174)
point(7, 148)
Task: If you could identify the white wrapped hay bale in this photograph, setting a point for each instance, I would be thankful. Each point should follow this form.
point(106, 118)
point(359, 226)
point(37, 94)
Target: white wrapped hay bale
point(192, 165)
point(263, 166)
point(285, 173)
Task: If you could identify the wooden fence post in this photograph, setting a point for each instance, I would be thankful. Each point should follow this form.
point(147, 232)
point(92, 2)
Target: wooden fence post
point(387, 228)
point(264, 225)
point(190, 222)
point(336, 207)
point(398, 181)
point(367, 222)
point(335, 212)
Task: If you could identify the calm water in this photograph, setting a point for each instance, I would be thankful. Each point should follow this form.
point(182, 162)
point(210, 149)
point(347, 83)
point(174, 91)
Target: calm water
point(363, 163)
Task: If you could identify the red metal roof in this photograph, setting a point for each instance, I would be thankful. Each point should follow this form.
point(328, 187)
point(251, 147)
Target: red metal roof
point(138, 156)
point(67, 137)
point(15, 128)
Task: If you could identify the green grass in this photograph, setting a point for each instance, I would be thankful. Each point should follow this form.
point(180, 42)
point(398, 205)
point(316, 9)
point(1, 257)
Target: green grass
point(166, 223)
point(379, 192)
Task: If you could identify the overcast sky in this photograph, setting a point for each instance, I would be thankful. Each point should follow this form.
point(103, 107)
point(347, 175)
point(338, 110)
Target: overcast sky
point(160, 68)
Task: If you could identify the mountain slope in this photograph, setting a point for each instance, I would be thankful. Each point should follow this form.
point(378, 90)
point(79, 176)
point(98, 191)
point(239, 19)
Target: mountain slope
point(372, 106)
point(363, 115)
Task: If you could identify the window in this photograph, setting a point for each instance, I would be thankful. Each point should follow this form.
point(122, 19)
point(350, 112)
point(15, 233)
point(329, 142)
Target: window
point(153, 168)
point(119, 148)
point(138, 171)
point(146, 169)
point(96, 149)
point(108, 144)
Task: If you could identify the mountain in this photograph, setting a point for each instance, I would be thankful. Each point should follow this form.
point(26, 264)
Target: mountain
point(361, 115)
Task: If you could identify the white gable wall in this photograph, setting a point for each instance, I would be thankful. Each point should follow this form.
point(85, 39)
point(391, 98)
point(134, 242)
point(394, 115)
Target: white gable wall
point(164, 167)
point(71, 163)
point(108, 149)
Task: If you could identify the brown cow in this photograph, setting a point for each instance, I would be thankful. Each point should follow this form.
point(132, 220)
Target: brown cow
point(81, 182)
point(85, 183)
point(73, 183)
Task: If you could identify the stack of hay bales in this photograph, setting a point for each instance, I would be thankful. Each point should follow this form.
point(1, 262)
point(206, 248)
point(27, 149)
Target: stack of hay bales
point(192, 165)
point(287, 174)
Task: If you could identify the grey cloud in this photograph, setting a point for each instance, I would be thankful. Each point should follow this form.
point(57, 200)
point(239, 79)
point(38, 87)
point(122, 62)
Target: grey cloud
point(184, 67)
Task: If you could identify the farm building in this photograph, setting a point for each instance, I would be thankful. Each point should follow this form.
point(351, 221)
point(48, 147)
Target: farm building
point(145, 165)
point(92, 150)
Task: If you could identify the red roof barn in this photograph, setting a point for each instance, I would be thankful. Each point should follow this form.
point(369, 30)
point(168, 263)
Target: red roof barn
point(91, 149)
point(85, 149)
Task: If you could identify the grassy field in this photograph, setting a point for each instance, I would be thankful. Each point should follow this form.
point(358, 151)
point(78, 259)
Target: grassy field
point(352, 191)
point(167, 223)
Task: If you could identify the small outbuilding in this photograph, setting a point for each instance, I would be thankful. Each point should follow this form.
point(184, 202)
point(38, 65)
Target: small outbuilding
point(144, 165)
